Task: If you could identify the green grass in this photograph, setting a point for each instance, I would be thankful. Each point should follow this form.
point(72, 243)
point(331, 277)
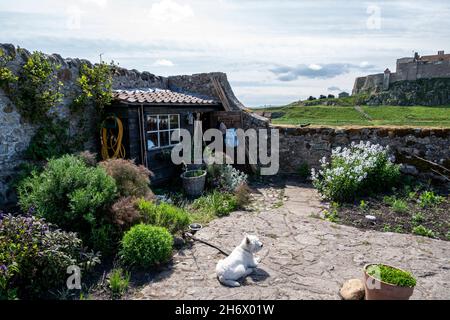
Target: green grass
point(118, 282)
point(414, 116)
point(391, 275)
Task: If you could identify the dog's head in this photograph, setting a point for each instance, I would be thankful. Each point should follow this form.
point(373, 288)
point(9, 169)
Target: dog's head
point(252, 243)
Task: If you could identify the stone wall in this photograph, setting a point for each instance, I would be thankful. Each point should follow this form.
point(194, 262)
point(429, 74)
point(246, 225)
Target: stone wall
point(309, 145)
point(15, 134)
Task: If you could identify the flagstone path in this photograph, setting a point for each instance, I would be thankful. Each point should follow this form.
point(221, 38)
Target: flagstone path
point(303, 257)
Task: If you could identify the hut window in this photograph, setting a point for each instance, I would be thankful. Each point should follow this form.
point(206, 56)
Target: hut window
point(160, 129)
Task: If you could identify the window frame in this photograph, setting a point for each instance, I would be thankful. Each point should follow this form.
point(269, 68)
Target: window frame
point(158, 131)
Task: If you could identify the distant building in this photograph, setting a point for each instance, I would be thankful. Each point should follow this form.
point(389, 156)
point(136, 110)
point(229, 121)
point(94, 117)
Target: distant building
point(408, 69)
point(343, 95)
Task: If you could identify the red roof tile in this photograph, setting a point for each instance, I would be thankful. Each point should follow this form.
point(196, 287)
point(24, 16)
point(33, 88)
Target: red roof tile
point(159, 96)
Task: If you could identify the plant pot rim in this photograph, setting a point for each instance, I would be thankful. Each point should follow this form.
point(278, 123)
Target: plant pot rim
point(183, 175)
point(386, 265)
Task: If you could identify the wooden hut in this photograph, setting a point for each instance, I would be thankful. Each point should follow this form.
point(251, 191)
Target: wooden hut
point(150, 116)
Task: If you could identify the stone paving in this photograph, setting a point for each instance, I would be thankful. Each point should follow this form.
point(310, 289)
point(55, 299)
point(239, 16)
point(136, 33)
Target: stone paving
point(303, 257)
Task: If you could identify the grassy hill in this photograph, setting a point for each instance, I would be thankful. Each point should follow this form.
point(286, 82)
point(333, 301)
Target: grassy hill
point(347, 115)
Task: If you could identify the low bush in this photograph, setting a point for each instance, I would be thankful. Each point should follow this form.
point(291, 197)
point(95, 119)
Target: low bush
point(131, 179)
point(164, 215)
point(69, 194)
point(225, 177)
point(34, 256)
point(355, 171)
point(125, 212)
point(216, 203)
point(145, 245)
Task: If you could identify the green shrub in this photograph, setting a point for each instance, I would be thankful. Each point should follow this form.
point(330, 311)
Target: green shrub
point(131, 180)
point(423, 231)
point(34, 256)
point(118, 282)
point(225, 177)
point(304, 171)
point(391, 275)
point(399, 206)
point(355, 171)
point(69, 194)
point(145, 245)
point(429, 199)
point(216, 203)
point(164, 215)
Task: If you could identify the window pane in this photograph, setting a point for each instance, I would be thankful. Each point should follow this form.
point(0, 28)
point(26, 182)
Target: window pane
point(174, 121)
point(175, 136)
point(163, 122)
point(152, 123)
point(164, 138)
point(152, 141)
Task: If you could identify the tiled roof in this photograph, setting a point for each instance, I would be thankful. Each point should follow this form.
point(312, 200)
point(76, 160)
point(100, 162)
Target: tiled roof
point(159, 96)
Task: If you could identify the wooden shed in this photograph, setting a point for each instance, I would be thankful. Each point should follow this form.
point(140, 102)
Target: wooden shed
point(149, 117)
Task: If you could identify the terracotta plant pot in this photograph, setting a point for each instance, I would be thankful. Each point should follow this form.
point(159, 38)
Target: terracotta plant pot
point(379, 290)
point(194, 182)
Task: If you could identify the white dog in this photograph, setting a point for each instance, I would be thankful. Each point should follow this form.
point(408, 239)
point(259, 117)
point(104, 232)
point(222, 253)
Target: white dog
point(240, 263)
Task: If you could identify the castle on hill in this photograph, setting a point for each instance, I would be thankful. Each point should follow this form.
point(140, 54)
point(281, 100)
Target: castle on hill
point(407, 69)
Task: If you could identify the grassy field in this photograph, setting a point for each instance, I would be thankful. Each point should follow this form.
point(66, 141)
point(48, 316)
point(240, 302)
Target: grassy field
point(414, 116)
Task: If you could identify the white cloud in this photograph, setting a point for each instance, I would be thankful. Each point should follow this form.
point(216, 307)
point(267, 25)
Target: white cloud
point(163, 63)
point(170, 11)
point(100, 3)
point(315, 67)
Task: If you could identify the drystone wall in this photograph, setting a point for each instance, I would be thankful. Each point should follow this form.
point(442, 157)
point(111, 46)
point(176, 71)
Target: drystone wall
point(309, 145)
point(15, 133)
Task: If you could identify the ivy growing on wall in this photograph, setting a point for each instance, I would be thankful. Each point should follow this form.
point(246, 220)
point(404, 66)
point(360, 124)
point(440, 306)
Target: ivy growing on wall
point(7, 77)
point(95, 85)
point(38, 88)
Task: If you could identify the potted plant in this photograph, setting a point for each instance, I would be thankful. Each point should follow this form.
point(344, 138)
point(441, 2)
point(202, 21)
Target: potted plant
point(384, 282)
point(194, 182)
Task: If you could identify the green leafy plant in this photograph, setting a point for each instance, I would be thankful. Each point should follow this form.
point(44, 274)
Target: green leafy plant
point(225, 177)
point(332, 215)
point(423, 231)
point(95, 84)
point(363, 205)
point(418, 218)
point(38, 88)
point(164, 215)
point(304, 170)
point(354, 171)
point(34, 256)
point(399, 206)
point(69, 194)
point(119, 281)
point(429, 199)
point(145, 245)
point(391, 275)
point(216, 203)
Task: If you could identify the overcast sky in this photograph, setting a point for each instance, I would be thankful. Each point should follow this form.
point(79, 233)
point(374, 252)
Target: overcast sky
point(273, 51)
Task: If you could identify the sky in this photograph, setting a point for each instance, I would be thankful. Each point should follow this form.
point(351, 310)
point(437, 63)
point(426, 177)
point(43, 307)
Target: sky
point(273, 51)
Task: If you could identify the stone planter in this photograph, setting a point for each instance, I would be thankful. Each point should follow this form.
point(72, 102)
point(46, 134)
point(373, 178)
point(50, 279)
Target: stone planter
point(379, 290)
point(194, 182)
